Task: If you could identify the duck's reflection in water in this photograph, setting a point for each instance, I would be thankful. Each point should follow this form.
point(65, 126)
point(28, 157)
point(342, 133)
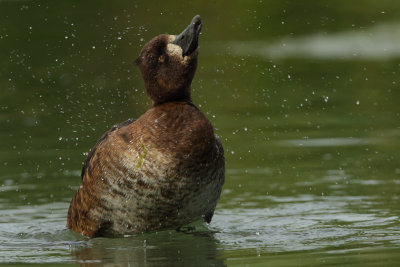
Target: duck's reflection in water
point(167, 248)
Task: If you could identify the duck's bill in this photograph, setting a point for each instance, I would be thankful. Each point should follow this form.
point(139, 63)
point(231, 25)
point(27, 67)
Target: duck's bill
point(188, 40)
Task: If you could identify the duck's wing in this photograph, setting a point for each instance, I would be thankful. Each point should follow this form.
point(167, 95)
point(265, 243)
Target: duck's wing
point(100, 141)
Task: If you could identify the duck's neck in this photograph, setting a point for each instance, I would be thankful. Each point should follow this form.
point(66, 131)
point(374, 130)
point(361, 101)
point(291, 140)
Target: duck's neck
point(183, 97)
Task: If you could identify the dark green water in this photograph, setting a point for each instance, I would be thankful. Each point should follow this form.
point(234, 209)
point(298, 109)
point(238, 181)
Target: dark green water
point(303, 94)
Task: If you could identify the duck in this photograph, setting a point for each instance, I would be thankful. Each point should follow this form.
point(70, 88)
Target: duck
point(163, 170)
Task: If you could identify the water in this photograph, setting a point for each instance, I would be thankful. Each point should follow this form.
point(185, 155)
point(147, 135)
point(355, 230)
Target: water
point(304, 97)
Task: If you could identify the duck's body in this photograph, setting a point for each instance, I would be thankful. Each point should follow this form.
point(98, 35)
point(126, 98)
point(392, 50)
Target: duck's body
point(161, 171)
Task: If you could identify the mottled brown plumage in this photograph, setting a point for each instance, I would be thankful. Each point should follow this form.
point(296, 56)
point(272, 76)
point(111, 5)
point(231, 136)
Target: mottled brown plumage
point(163, 170)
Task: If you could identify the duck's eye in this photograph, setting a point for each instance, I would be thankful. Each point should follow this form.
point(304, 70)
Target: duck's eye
point(160, 59)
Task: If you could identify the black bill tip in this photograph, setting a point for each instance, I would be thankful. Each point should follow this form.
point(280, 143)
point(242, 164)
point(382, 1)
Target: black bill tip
point(188, 40)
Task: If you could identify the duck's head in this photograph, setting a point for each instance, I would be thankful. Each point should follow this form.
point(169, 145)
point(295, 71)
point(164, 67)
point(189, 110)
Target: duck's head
point(168, 64)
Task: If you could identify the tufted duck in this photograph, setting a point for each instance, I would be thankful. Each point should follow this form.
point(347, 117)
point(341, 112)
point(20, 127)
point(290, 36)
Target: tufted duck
point(163, 170)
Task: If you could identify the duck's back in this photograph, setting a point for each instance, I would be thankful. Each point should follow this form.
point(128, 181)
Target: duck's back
point(161, 171)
